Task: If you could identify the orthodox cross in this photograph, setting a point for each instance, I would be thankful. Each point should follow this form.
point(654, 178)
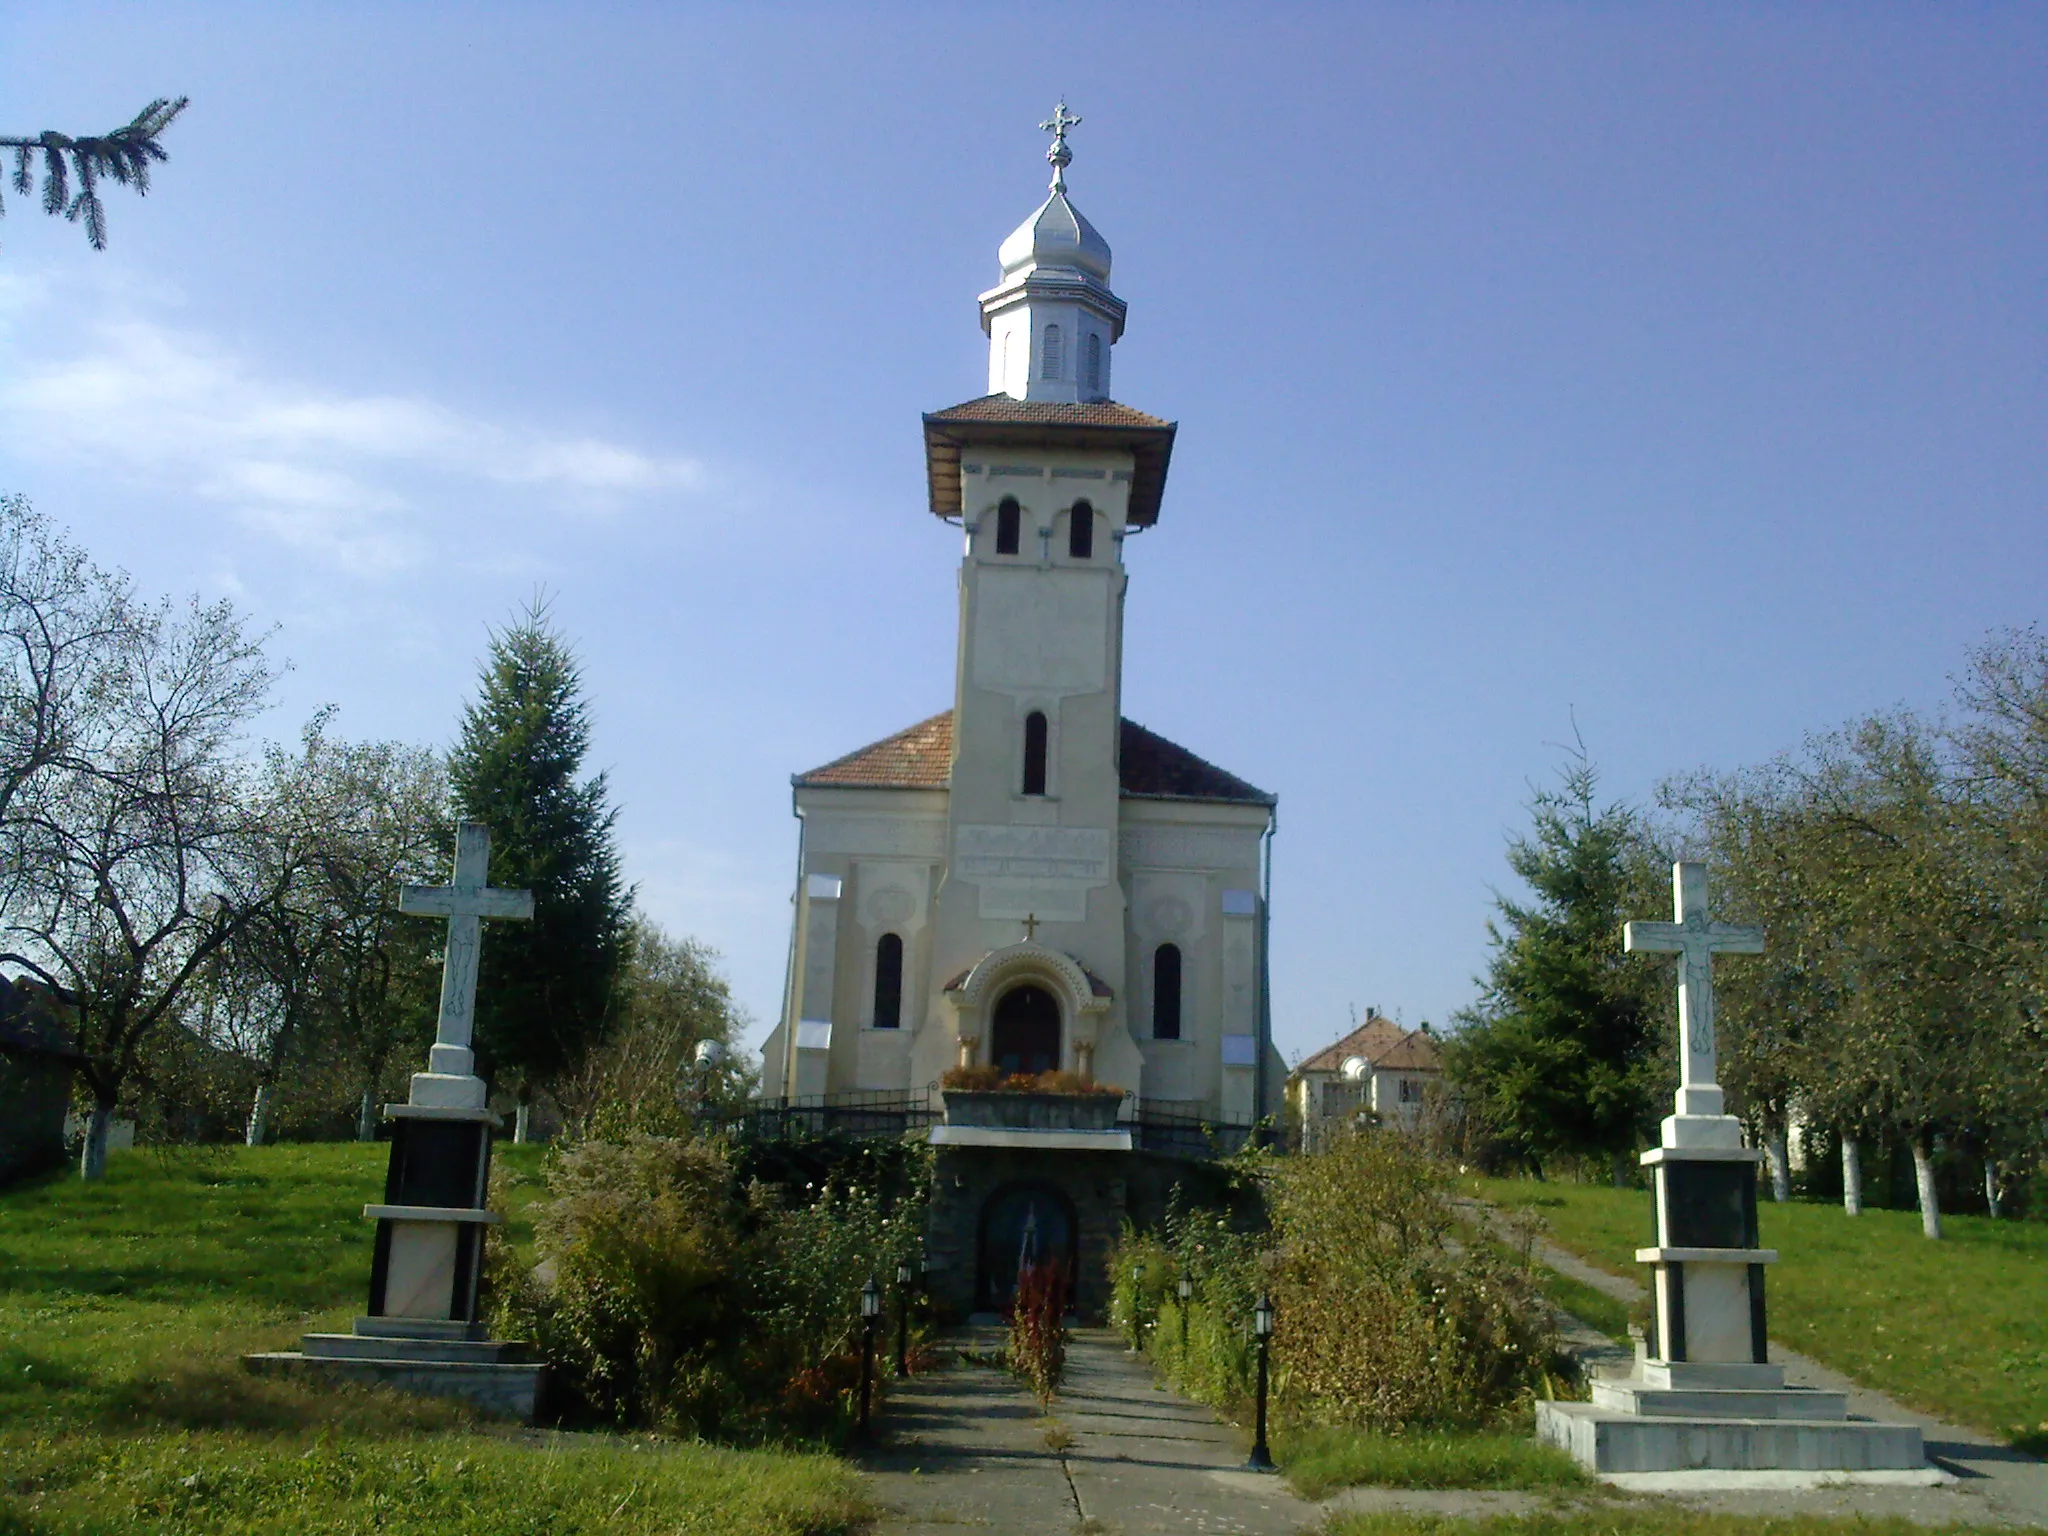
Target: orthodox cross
point(465, 902)
point(1031, 927)
point(1059, 156)
point(1697, 941)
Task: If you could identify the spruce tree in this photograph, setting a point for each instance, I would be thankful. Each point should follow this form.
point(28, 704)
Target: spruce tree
point(1560, 1057)
point(544, 988)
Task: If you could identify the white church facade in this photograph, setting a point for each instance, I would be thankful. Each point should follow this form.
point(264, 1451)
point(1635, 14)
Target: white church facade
point(1028, 880)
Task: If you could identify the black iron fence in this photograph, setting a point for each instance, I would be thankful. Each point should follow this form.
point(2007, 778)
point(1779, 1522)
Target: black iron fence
point(1186, 1128)
point(1175, 1127)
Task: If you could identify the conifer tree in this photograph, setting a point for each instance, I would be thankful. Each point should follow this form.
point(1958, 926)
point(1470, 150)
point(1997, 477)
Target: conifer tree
point(543, 988)
point(1560, 1056)
point(123, 156)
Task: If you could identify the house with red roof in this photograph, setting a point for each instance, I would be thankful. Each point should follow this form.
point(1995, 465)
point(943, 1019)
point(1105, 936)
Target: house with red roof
point(1378, 1068)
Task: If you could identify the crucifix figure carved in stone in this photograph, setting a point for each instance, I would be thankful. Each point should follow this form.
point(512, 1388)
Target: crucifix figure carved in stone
point(465, 902)
point(1696, 939)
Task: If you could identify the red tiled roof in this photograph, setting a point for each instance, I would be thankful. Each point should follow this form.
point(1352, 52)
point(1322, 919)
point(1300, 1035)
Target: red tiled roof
point(1417, 1053)
point(921, 757)
point(1372, 1040)
point(998, 420)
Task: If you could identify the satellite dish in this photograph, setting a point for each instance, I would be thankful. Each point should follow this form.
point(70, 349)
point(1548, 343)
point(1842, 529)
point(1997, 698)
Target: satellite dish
point(1354, 1068)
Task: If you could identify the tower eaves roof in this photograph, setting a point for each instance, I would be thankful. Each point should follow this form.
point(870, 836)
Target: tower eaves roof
point(1001, 420)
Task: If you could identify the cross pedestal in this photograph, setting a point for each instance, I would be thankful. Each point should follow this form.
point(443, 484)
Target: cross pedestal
point(1703, 1394)
point(421, 1330)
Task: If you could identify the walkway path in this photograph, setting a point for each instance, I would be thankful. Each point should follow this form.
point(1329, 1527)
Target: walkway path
point(1995, 1482)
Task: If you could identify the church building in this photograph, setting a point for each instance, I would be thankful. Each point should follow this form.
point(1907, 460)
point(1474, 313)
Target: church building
point(1027, 879)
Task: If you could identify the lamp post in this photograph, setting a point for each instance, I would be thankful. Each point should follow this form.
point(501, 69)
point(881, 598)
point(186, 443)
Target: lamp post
point(1262, 1326)
point(870, 1309)
point(1137, 1307)
point(902, 1317)
point(1186, 1291)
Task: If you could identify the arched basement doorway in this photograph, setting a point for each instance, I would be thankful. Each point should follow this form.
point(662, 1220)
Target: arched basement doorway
point(1023, 1224)
point(1025, 1033)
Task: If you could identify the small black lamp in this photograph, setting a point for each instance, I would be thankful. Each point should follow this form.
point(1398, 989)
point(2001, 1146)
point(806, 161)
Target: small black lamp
point(1186, 1291)
point(902, 1317)
point(870, 1309)
point(1262, 1328)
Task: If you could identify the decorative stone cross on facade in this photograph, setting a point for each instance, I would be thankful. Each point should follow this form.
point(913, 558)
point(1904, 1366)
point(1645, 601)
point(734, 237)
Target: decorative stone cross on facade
point(1059, 157)
point(1031, 927)
point(1697, 940)
point(465, 902)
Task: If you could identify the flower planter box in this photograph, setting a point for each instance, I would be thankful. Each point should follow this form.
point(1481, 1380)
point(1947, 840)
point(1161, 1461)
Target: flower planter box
point(1033, 1111)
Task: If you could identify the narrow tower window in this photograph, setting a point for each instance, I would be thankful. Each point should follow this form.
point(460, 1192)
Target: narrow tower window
point(1166, 992)
point(1081, 531)
point(889, 982)
point(1034, 753)
point(1050, 364)
point(1094, 363)
point(1009, 519)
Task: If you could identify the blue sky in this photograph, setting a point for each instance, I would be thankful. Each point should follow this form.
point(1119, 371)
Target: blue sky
point(1677, 369)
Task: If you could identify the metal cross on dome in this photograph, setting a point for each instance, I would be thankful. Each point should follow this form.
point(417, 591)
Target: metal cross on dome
point(1059, 156)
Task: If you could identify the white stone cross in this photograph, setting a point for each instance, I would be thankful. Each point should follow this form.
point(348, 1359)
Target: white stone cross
point(465, 902)
point(1697, 940)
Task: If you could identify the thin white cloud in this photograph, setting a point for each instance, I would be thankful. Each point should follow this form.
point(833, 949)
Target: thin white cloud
point(341, 478)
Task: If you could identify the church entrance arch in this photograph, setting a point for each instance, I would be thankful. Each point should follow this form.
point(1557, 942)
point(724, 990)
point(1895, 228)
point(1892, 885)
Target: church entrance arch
point(1030, 1223)
point(1024, 1035)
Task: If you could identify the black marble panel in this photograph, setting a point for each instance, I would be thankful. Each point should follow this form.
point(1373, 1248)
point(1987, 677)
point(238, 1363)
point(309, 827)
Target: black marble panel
point(1709, 1205)
point(438, 1162)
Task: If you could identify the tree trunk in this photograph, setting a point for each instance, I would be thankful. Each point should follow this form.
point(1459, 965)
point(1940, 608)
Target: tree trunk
point(1852, 1176)
point(258, 1127)
point(92, 1152)
point(1779, 1157)
point(366, 1116)
point(1991, 1186)
point(1618, 1163)
point(1923, 1179)
point(522, 1123)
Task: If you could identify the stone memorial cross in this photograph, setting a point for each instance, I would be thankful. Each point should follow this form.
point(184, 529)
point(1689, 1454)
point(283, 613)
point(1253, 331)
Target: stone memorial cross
point(1696, 939)
point(465, 902)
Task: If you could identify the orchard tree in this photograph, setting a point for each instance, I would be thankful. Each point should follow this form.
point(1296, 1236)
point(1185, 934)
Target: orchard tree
point(1561, 1054)
point(544, 988)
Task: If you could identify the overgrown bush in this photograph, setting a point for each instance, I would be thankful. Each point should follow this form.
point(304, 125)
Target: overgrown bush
point(1385, 1321)
point(673, 1292)
point(1038, 1327)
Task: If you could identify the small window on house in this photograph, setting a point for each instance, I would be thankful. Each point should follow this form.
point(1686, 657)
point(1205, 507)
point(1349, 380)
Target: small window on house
point(1009, 521)
point(1166, 992)
point(1094, 363)
point(889, 982)
point(1081, 531)
point(1034, 753)
point(1050, 362)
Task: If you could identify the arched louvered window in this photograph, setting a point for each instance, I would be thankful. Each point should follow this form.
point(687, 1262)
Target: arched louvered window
point(889, 982)
point(1081, 531)
point(1094, 355)
point(1034, 753)
point(1051, 363)
point(1166, 992)
point(1009, 522)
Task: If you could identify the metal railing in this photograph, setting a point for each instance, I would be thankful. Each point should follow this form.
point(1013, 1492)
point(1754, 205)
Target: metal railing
point(1175, 1127)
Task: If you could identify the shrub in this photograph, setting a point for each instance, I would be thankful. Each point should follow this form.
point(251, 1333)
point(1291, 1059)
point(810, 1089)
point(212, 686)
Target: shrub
point(636, 1296)
point(1385, 1322)
point(1038, 1327)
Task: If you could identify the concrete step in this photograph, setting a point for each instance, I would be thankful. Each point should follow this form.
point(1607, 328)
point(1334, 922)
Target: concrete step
point(1633, 1397)
point(351, 1346)
point(502, 1390)
point(1604, 1441)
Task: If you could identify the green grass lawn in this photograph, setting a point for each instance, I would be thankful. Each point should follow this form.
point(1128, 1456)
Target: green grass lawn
point(1957, 1328)
point(1319, 1461)
point(125, 1304)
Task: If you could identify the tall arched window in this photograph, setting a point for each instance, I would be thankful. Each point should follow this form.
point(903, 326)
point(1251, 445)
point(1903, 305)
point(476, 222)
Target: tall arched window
point(1094, 355)
point(1034, 753)
point(1051, 363)
point(1166, 992)
point(1009, 520)
point(1081, 531)
point(889, 982)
